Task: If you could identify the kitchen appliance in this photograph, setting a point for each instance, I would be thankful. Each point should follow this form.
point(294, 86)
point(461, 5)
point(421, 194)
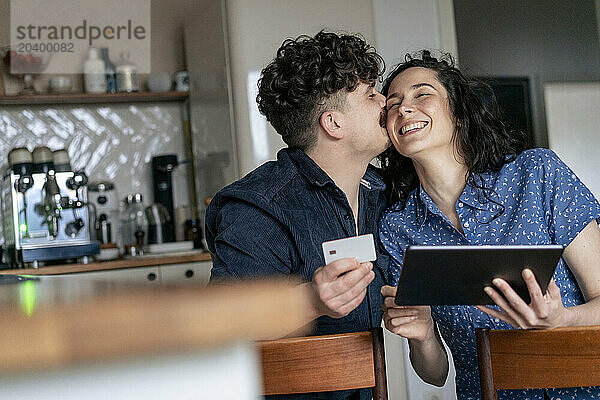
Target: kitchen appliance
point(44, 211)
point(162, 184)
point(61, 161)
point(173, 247)
point(105, 200)
point(158, 223)
point(134, 224)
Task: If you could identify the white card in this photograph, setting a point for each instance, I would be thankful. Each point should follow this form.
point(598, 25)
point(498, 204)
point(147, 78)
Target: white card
point(360, 247)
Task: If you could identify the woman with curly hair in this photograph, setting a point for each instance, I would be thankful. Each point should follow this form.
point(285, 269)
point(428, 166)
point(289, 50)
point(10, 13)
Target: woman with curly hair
point(458, 176)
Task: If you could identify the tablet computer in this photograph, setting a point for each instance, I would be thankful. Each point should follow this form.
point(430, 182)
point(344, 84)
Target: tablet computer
point(456, 275)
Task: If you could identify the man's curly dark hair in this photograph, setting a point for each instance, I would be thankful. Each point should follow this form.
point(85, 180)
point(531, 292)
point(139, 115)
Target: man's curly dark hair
point(306, 78)
point(483, 140)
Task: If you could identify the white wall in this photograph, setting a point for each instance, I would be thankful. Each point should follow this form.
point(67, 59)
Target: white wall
point(407, 26)
point(256, 30)
point(573, 120)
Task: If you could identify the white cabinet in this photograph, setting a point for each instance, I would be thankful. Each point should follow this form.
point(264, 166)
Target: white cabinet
point(150, 275)
point(188, 272)
point(168, 274)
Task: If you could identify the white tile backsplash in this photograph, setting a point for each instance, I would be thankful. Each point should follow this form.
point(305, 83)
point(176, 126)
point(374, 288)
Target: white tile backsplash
point(108, 141)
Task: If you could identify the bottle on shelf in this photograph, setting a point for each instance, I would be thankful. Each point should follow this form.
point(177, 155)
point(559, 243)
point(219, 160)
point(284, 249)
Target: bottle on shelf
point(110, 72)
point(93, 73)
point(127, 79)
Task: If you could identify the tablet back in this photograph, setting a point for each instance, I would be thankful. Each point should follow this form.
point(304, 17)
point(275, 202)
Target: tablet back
point(453, 275)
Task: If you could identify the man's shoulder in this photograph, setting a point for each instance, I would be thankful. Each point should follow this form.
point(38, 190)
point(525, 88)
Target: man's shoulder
point(264, 181)
point(258, 188)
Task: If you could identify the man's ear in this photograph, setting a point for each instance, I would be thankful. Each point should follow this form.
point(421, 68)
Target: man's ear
point(330, 122)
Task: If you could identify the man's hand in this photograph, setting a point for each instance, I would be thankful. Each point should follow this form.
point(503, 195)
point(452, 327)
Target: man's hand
point(411, 322)
point(341, 286)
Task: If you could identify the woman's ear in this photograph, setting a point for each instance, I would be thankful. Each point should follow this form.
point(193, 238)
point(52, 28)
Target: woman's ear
point(330, 122)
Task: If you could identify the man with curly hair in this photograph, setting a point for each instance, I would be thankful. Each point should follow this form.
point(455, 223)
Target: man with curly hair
point(318, 93)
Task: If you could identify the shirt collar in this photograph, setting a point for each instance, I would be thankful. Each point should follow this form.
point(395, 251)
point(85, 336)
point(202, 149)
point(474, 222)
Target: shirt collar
point(316, 176)
point(423, 204)
point(472, 196)
point(307, 167)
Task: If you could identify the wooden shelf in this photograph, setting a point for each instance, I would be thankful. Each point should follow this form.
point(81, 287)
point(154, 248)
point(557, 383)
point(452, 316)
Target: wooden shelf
point(87, 98)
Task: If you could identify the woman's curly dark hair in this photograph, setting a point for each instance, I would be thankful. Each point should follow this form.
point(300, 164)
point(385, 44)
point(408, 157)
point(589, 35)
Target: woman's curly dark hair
point(305, 79)
point(483, 140)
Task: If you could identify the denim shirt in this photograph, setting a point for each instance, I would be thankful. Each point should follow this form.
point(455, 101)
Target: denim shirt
point(273, 221)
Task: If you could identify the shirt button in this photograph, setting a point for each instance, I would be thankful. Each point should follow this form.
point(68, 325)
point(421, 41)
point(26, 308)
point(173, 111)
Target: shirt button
point(460, 204)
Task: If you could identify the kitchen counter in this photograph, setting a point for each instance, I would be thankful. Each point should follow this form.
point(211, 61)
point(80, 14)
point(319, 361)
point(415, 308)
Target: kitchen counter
point(53, 322)
point(134, 262)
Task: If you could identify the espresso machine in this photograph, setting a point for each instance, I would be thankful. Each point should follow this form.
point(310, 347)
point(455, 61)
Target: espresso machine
point(45, 213)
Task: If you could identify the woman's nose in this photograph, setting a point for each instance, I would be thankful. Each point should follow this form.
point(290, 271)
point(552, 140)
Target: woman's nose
point(401, 111)
point(406, 109)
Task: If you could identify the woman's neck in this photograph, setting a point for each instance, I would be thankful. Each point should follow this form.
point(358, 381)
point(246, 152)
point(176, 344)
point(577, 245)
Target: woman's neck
point(443, 177)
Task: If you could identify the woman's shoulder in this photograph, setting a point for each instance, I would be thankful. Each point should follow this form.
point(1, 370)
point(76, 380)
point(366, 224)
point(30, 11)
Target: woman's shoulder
point(530, 160)
point(537, 156)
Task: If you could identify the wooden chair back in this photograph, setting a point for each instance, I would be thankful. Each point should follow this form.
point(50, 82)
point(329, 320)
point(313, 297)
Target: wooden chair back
point(324, 363)
point(529, 359)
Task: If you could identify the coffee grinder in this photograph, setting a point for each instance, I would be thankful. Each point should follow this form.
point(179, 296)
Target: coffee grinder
point(162, 181)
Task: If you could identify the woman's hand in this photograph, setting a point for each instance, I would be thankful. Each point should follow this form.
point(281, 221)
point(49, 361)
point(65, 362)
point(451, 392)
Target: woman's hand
point(427, 353)
point(544, 311)
point(411, 322)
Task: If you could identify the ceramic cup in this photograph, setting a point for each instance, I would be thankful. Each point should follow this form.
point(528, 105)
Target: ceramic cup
point(159, 82)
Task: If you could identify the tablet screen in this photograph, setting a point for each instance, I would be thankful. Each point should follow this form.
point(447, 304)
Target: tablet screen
point(454, 275)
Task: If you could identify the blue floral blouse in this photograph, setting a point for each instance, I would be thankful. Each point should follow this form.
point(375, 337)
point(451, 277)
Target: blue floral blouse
point(544, 203)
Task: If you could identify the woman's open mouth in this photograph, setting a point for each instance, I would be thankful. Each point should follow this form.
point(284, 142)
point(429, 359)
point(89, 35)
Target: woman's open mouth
point(413, 127)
